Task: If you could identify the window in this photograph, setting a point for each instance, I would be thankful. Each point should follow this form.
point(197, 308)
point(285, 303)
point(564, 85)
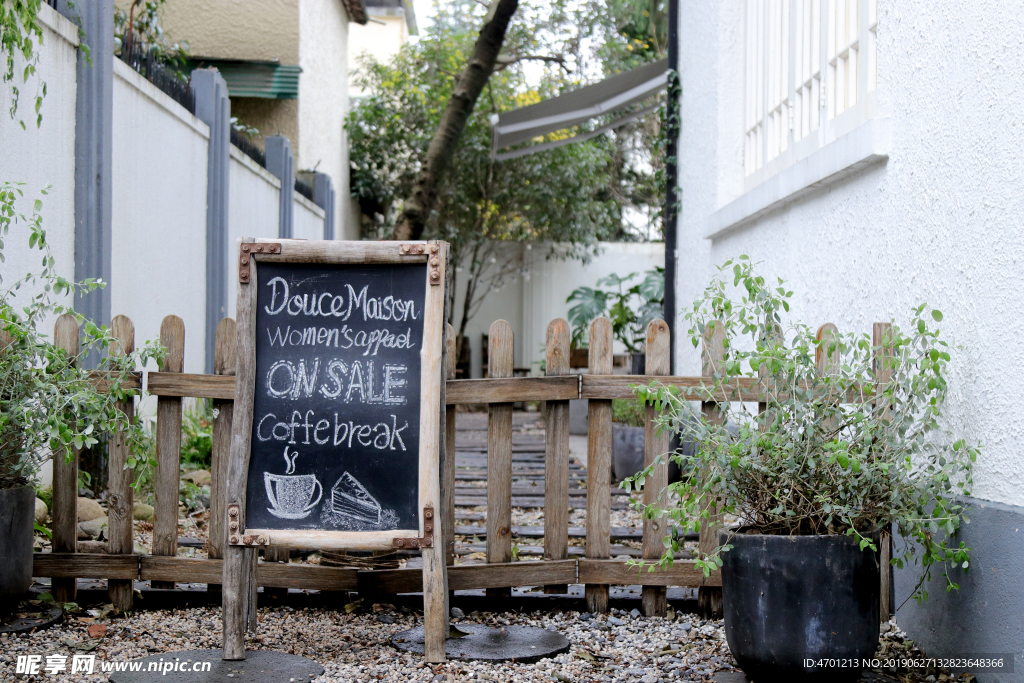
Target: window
point(789, 95)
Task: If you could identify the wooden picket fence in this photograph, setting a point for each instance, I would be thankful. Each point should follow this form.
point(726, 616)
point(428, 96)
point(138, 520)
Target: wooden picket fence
point(499, 391)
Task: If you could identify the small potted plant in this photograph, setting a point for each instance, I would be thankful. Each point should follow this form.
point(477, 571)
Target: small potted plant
point(841, 452)
point(48, 403)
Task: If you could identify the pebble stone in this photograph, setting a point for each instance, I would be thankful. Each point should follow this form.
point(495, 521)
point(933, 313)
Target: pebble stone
point(355, 647)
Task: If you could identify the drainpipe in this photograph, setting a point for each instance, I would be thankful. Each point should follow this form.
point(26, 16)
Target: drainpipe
point(673, 128)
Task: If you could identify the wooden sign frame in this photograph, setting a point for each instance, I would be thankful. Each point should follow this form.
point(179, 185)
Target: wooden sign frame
point(242, 543)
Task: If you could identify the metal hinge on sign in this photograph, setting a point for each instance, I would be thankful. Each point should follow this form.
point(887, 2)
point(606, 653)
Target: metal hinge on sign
point(245, 254)
point(428, 534)
point(434, 261)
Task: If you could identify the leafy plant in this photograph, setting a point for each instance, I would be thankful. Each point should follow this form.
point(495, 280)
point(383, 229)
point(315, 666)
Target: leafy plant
point(629, 411)
point(20, 33)
point(140, 23)
point(629, 308)
point(48, 404)
point(830, 453)
point(197, 435)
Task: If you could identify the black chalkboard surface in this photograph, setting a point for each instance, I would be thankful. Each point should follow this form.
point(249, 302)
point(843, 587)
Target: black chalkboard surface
point(336, 410)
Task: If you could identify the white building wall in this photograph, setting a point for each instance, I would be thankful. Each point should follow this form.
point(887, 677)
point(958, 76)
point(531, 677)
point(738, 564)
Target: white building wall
point(159, 212)
point(939, 222)
point(253, 200)
point(43, 157)
point(323, 101)
point(309, 218)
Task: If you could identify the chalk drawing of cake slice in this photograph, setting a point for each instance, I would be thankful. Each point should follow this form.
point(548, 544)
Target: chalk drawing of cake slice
point(350, 498)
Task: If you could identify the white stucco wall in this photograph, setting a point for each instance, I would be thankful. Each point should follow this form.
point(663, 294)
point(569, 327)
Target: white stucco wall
point(529, 303)
point(252, 211)
point(309, 218)
point(159, 212)
point(323, 101)
point(43, 156)
point(939, 222)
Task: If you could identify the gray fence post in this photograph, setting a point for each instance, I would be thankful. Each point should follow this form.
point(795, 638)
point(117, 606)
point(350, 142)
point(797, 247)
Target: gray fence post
point(323, 196)
point(94, 106)
point(214, 109)
point(281, 164)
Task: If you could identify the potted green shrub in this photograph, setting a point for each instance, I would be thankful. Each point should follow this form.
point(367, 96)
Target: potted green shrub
point(809, 482)
point(48, 403)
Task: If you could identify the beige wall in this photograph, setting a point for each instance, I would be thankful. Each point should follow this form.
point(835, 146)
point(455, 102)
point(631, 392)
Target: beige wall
point(235, 29)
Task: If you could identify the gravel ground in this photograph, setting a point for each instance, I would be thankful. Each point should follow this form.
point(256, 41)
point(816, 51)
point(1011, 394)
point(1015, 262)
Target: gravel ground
point(355, 647)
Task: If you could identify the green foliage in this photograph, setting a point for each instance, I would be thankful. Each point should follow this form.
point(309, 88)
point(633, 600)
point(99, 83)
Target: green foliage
point(48, 404)
point(484, 208)
point(197, 435)
point(20, 34)
point(629, 411)
point(629, 308)
point(149, 34)
point(828, 455)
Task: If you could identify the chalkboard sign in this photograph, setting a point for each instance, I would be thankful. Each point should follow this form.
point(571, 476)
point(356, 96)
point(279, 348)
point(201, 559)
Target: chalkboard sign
point(338, 412)
point(335, 434)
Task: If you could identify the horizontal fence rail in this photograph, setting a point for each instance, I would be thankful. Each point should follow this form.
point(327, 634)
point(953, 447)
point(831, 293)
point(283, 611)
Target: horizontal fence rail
point(597, 571)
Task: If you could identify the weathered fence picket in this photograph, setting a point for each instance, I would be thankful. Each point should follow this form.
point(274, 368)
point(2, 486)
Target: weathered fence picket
point(120, 501)
point(709, 598)
point(168, 448)
point(556, 455)
point(599, 463)
point(654, 599)
point(223, 414)
point(65, 479)
point(882, 343)
point(499, 455)
point(448, 465)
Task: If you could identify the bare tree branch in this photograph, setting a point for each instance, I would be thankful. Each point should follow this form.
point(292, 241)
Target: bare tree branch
point(505, 62)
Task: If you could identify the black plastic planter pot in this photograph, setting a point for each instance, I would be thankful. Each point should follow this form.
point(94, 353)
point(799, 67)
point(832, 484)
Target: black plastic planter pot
point(793, 601)
point(17, 511)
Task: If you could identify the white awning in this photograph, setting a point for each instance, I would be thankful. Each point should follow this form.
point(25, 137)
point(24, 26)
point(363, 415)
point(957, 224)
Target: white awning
point(579, 106)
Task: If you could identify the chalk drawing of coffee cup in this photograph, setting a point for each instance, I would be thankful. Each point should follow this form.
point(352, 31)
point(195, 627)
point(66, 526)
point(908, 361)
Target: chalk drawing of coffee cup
point(290, 495)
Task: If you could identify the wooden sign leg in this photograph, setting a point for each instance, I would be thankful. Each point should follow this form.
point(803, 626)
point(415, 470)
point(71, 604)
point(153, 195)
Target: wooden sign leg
point(235, 599)
point(435, 570)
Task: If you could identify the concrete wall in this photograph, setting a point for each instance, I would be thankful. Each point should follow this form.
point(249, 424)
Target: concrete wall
point(252, 211)
point(533, 299)
point(39, 156)
point(309, 219)
point(324, 100)
point(159, 212)
point(938, 221)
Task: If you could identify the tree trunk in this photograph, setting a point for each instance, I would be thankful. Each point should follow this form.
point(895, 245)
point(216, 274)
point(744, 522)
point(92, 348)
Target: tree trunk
point(471, 83)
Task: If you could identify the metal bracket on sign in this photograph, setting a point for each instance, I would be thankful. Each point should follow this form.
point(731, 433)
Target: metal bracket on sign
point(246, 252)
point(234, 514)
point(434, 261)
point(428, 534)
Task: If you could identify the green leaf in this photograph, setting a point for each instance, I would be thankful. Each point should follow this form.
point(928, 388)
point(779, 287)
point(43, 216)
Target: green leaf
point(937, 315)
